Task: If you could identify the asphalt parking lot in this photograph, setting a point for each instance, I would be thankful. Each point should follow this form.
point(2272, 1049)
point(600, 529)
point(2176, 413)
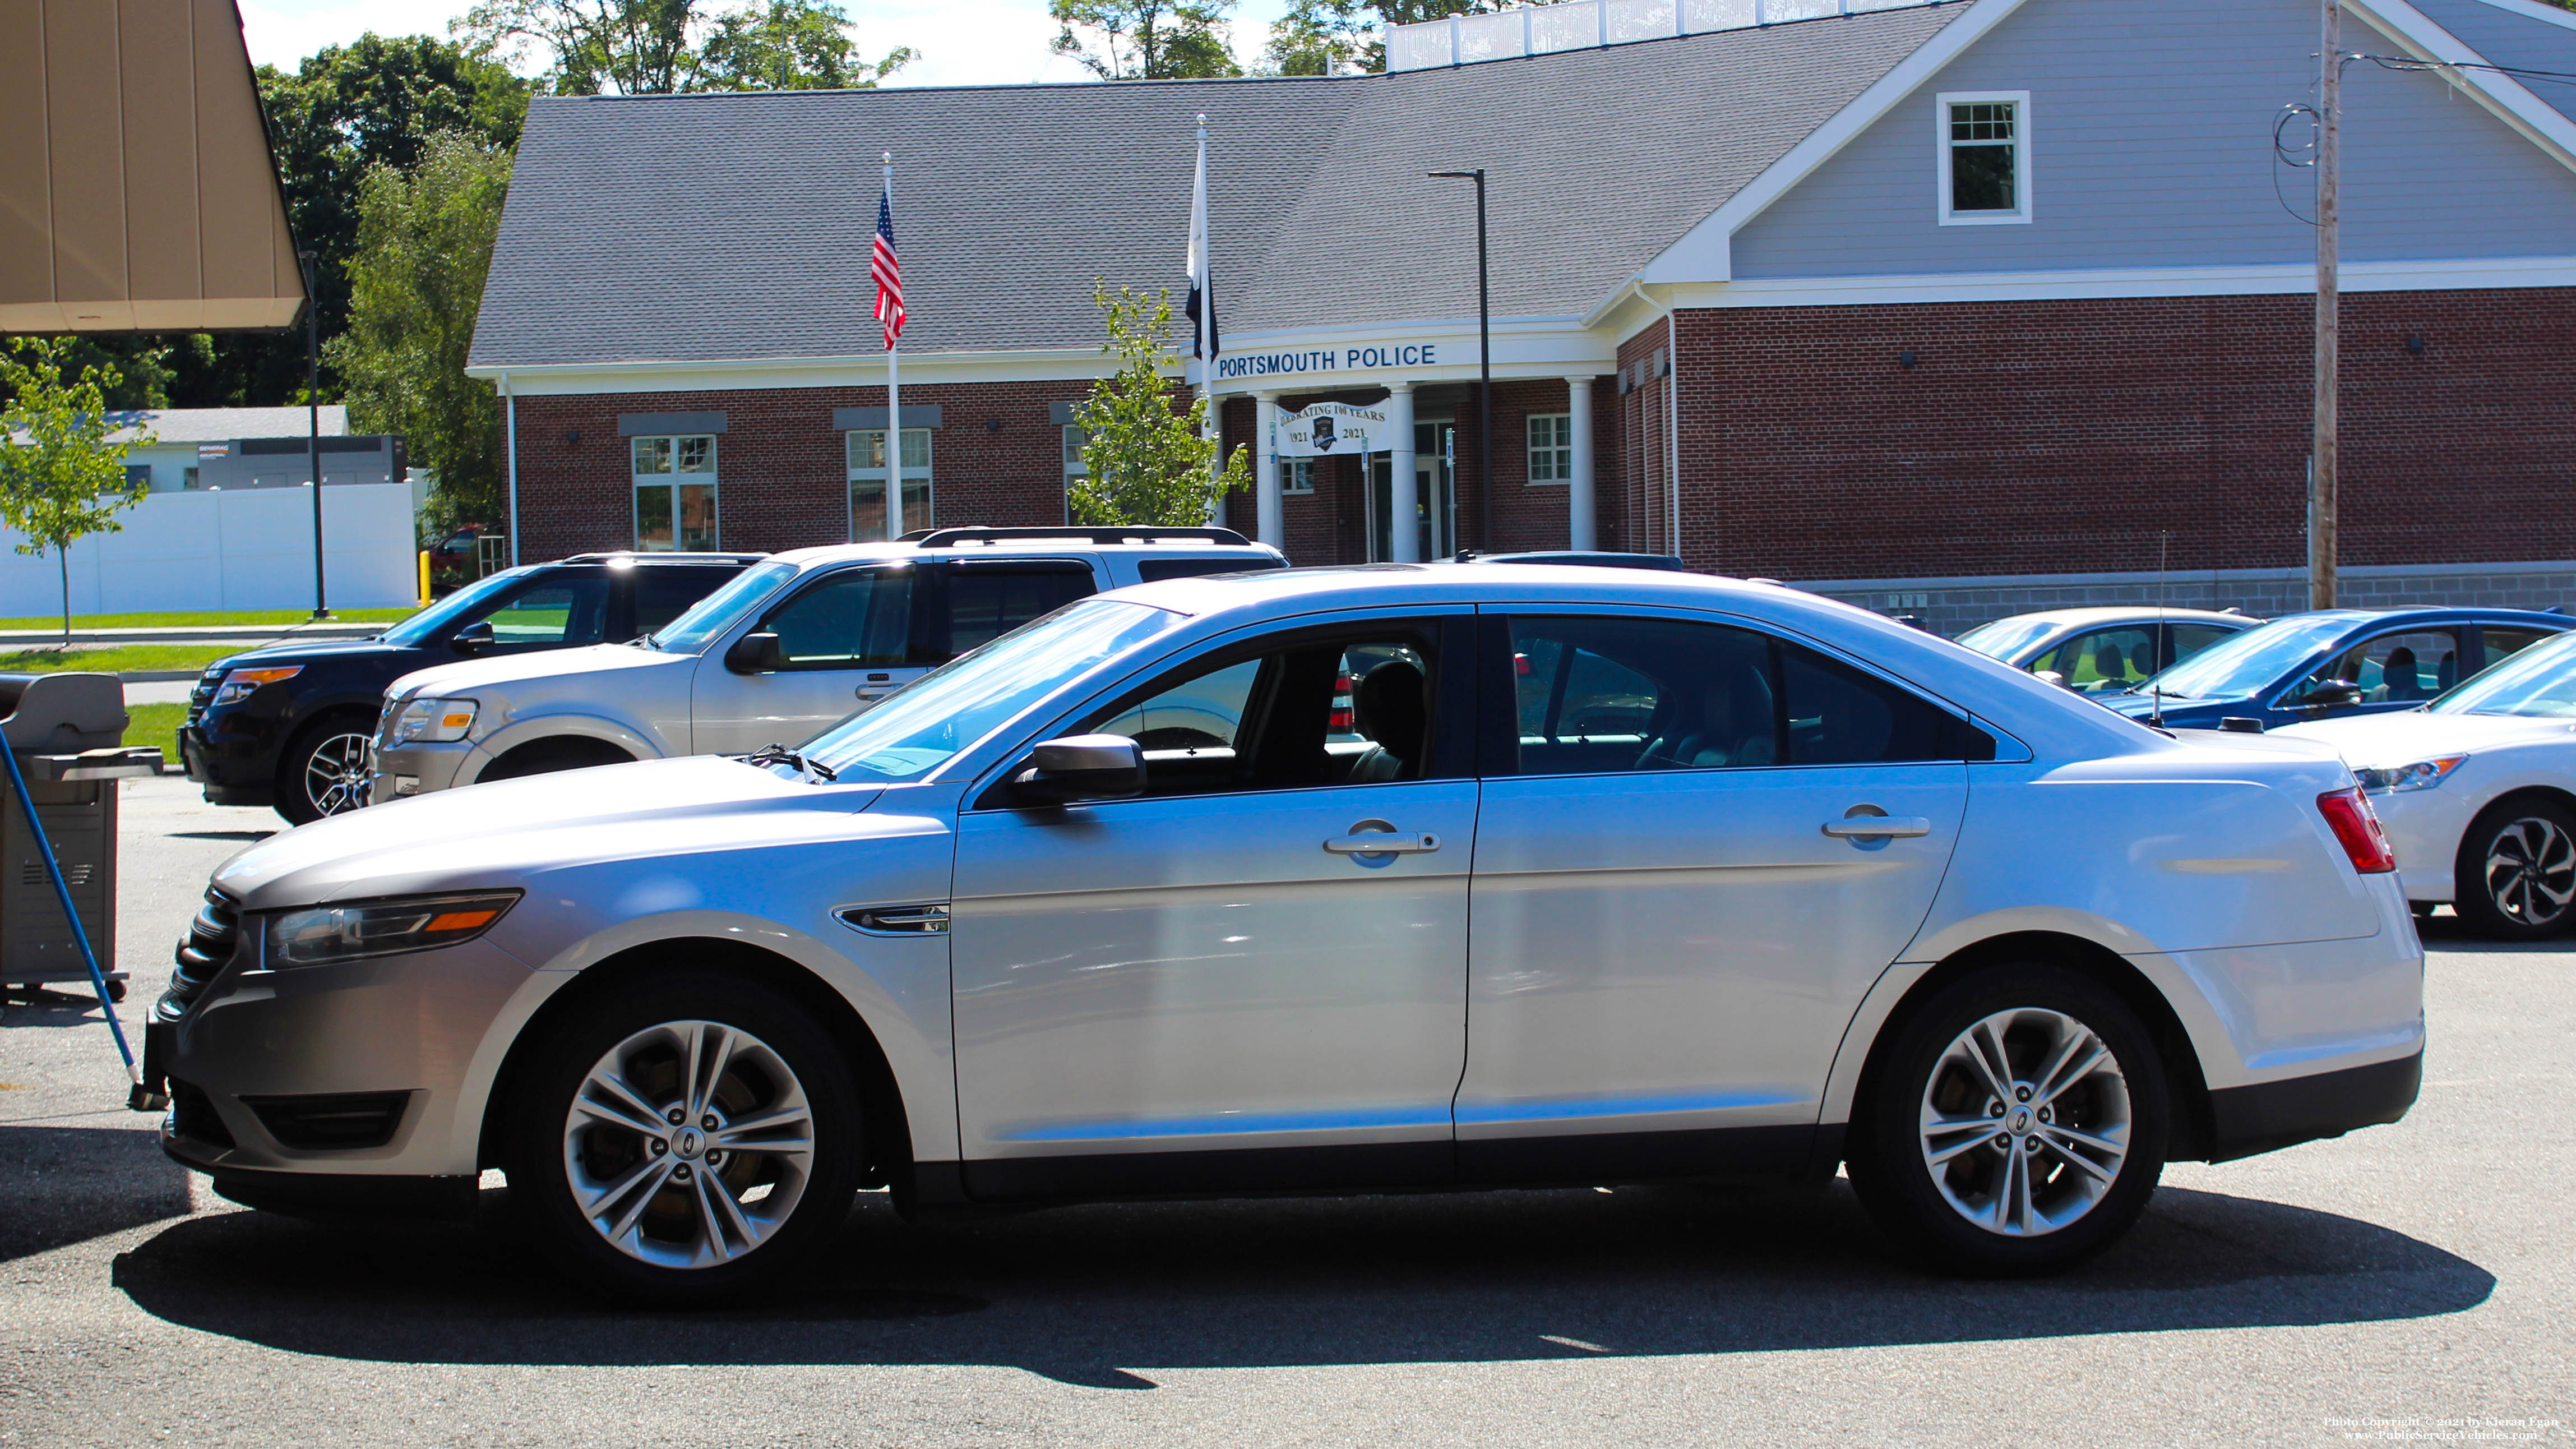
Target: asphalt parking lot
point(2413, 1283)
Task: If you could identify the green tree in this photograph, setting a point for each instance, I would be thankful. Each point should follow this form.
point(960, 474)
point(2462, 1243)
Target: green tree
point(61, 480)
point(655, 47)
point(1144, 459)
point(424, 243)
point(1146, 39)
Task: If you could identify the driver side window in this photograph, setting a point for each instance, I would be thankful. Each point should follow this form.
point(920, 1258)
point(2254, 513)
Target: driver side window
point(861, 619)
point(2396, 668)
point(557, 611)
point(1346, 709)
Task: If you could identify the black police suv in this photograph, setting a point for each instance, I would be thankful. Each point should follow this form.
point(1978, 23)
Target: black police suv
point(289, 725)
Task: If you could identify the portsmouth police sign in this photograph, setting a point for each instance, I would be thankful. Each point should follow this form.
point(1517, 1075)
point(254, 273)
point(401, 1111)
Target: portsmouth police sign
point(1329, 429)
point(1357, 357)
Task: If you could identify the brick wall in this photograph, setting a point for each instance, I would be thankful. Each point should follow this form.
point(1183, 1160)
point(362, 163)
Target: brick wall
point(2059, 437)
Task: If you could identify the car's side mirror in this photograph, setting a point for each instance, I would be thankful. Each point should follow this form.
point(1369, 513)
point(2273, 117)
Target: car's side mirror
point(474, 638)
point(2050, 676)
point(753, 654)
point(2332, 692)
point(1081, 767)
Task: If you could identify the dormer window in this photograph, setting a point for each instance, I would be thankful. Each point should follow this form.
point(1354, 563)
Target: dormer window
point(1984, 157)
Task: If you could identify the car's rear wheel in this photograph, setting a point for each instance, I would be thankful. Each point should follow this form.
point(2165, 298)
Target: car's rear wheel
point(685, 1141)
point(325, 770)
point(2516, 875)
point(2014, 1125)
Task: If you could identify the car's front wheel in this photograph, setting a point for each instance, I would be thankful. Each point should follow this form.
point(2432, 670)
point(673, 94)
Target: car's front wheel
point(2015, 1124)
point(685, 1141)
point(325, 771)
point(2516, 875)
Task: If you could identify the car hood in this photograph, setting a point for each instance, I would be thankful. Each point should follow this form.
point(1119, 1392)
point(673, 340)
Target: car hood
point(2398, 739)
point(314, 652)
point(472, 674)
point(514, 832)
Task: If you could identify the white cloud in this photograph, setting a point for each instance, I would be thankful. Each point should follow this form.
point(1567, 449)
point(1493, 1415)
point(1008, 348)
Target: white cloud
point(996, 42)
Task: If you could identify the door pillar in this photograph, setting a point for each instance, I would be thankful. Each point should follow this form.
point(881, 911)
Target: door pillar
point(1579, 508)
point(1403, 497)
point(1271, 521)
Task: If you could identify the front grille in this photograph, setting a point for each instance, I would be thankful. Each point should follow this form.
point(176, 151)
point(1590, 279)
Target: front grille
point(202, 953)
point(333, 1122)
point(204, 693)
point(192, 1115)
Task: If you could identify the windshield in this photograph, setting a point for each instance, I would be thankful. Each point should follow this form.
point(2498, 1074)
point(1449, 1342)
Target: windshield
point(929, 721)
point(722, 609)
point(473, 599)
point(2004, 638)
point(2249, 662)
point(2539, 681)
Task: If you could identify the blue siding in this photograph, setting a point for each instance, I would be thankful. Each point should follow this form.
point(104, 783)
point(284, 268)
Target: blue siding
point(2510, 39)
point(2151, 147)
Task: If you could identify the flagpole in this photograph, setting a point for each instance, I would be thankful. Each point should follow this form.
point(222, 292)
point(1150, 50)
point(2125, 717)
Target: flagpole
point(1203, 280)
point(894, 406)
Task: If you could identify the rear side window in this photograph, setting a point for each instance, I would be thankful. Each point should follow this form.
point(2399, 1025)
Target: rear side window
point(986, 603)
point(664, 594)
point(1155, 570)
point(2503, 643)
point(1612, 695)
point(856, 619)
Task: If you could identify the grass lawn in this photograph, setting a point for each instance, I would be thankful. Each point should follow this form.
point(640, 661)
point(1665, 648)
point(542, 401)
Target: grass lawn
point(155, 724)
point(120, 660)
point(174, 621)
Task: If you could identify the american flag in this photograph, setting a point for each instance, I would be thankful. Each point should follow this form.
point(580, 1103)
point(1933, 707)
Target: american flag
point(887, 271)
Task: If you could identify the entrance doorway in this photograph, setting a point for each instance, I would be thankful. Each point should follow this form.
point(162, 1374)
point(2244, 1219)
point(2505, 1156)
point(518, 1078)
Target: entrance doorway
point(1436, 512)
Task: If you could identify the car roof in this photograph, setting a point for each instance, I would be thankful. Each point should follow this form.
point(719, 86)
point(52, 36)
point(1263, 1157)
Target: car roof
point(1062, 546)
point(2102, 613)
point(2451, 614)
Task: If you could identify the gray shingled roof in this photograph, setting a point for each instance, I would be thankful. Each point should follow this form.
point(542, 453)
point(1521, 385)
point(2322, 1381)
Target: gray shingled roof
point(719, 227)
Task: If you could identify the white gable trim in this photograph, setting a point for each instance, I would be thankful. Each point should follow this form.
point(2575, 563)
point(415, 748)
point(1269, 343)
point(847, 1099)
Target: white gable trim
point(2535, 10)
point(2506, 98)
point(1704, 253)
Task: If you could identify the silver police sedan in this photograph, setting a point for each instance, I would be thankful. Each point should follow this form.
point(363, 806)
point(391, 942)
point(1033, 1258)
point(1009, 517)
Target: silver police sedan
point(1323, 880)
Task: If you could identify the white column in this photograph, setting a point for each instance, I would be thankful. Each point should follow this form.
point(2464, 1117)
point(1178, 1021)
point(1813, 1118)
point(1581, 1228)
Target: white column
point(1404, 500)
point(1212, 426)
point(1265, 483)
point(1579, 508)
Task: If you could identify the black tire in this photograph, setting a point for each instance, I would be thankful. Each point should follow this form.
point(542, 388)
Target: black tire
point(2423, 909)
point(545, 1152)
point(323, 770)
point(546, 757)
point(1926, 1209)
point(2512, 858)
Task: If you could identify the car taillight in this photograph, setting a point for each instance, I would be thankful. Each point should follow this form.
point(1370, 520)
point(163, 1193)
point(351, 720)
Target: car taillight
point(2356, 826)
point(1340, 721)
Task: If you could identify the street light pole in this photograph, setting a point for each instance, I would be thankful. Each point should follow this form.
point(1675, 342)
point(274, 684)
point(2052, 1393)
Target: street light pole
point(313, 403)
point(1484, 366)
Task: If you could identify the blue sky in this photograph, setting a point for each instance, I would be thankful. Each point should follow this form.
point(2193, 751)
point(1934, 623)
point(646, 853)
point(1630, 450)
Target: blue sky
point(987, 42)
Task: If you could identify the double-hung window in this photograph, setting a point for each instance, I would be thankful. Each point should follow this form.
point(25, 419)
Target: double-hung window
point(1984, 148)
point(868, 475)
point(675, 494)
point(1551, 448)
point(1296, 475)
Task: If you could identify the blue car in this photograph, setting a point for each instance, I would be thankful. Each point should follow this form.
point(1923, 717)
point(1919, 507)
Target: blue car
point(2336, 662)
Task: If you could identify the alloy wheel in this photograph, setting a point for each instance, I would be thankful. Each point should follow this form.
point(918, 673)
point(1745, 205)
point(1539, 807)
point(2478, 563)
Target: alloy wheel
point(335, 774)
point(2531, 871)
point(2025, 1122)
point(688, 1144)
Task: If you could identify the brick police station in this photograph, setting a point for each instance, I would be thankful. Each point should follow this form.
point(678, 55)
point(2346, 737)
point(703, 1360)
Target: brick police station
point(1947, 308)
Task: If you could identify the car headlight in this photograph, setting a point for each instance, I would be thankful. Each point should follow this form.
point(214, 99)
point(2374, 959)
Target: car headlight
point(436, 720)
point(321, 935)
point(2421, 775)
point(241, 683)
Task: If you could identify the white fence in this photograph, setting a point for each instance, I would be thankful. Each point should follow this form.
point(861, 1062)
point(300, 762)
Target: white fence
point(233, 548)
point(1578, 24)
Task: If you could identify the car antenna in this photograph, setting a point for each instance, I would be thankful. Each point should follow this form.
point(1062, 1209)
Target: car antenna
point(2155, 684)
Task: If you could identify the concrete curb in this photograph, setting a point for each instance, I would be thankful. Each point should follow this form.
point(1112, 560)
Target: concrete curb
point(249, 636)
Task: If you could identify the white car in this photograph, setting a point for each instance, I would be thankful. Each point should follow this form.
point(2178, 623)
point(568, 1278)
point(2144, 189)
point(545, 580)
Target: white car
point(2105, 650)
point(1613, 876)
point(785, 649)
point(2478, 791)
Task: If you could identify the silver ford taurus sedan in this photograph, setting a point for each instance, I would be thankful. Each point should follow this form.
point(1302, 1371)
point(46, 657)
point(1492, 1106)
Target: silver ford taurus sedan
point(1323, 880)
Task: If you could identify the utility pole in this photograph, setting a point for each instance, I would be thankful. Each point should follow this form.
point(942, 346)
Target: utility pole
point(2321, 462)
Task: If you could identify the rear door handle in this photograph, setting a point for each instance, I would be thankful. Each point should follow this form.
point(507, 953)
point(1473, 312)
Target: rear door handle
point(1384, 842)
point(1870, 827)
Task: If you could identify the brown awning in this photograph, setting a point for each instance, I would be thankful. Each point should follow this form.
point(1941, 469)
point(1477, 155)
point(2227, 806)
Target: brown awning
point(137, 193)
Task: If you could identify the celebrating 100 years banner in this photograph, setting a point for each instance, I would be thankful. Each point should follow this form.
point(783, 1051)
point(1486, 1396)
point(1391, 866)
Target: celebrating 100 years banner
point(1329, 429)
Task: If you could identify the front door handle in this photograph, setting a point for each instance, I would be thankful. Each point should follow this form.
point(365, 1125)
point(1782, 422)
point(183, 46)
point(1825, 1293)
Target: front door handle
point(1872, 827)
point(1384, 840)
